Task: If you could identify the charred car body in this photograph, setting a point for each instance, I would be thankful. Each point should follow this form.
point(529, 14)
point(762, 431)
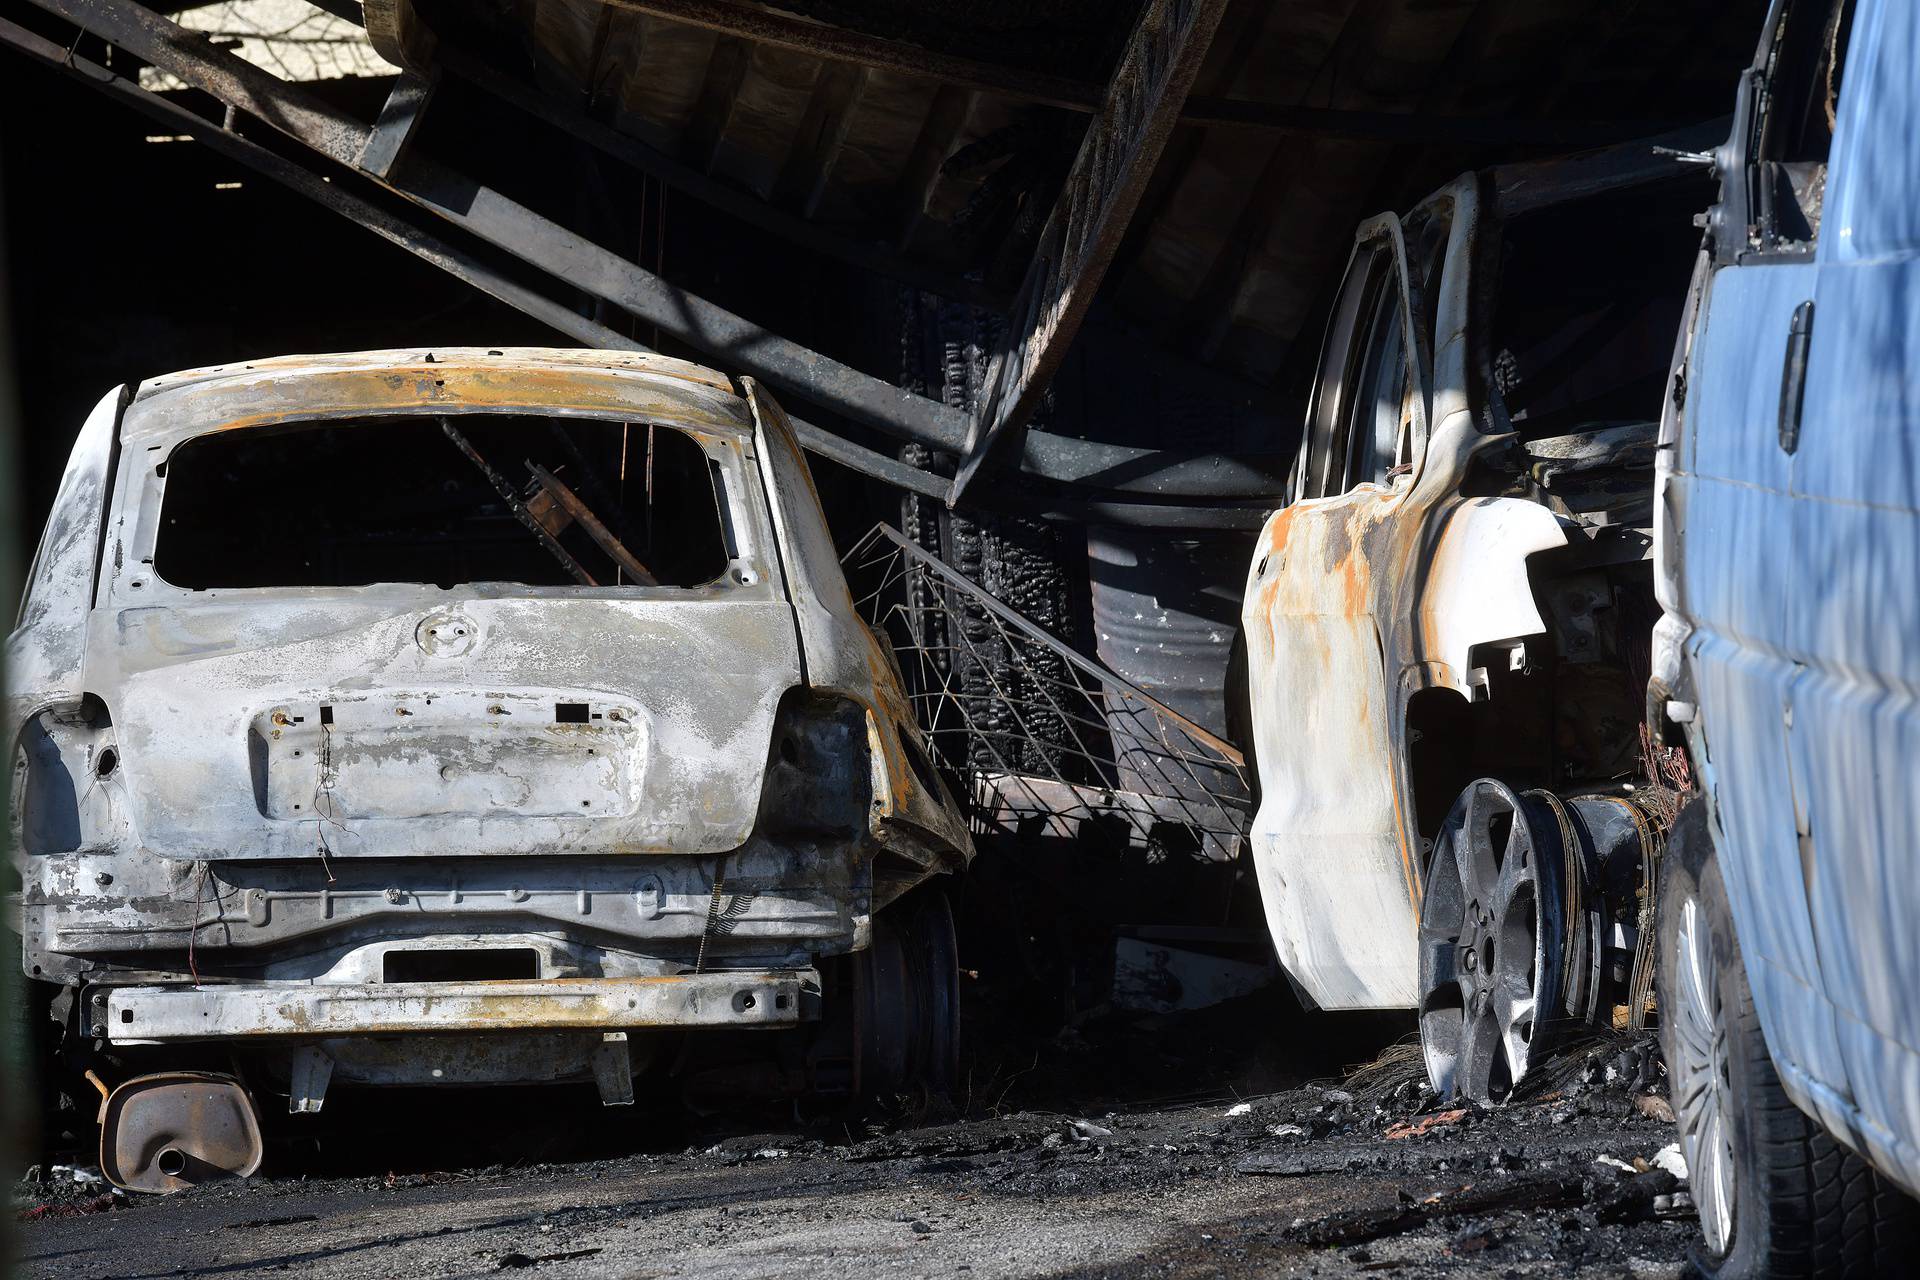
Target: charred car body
point(461, 717)
point(1447, 627)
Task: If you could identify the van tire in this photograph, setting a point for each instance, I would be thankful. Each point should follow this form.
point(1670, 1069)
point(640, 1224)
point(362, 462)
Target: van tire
point(1801, 1203)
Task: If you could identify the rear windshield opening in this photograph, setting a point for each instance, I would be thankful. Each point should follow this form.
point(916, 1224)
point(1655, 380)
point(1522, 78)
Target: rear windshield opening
point(478, 498)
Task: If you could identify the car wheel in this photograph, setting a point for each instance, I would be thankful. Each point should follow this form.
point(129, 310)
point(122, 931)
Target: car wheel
point(48, 1106)
point(910, 999)
point(1777, 1196)
point(1492, 941)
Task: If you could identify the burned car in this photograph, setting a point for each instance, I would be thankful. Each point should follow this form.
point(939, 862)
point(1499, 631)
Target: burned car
point(1447, 627)
point(461, 717)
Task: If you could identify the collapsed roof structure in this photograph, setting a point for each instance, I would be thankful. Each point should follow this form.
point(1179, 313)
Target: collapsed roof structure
point(1173, 182)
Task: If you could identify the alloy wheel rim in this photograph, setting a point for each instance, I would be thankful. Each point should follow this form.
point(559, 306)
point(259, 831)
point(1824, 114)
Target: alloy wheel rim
point(1490, 943)
point(1703, 1087)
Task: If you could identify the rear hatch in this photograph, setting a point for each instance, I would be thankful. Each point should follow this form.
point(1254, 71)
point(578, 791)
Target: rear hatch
point(426, 636)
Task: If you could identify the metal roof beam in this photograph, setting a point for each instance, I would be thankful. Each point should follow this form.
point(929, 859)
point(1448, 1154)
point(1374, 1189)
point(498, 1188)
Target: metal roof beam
point(510, 226)
point(736, 342)
point(424, 245)
point(393, 133)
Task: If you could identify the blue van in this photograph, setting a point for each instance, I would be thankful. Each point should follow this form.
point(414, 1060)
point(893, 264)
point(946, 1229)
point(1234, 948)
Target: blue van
point(1788, 660)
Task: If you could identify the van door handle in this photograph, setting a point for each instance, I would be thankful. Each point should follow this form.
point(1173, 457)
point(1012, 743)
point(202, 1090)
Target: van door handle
point(1793, 375)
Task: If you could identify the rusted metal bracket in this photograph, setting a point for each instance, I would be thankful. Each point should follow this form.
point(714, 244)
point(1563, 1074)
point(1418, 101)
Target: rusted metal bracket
point(519, 508)
point(393, 132)
point(589, 482)
point(1076, 246)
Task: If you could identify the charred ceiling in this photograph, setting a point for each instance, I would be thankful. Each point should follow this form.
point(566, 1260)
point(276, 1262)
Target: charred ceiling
point(925, 145)
point(1305, 117)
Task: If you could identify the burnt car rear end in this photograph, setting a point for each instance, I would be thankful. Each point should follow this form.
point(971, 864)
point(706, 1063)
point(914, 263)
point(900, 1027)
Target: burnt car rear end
point(457, 718)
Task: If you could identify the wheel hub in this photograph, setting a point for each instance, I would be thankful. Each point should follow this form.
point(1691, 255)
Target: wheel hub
point(1491, 941)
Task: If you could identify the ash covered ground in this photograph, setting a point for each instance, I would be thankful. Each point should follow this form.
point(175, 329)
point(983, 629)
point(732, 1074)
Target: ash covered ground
point(1227, 1142)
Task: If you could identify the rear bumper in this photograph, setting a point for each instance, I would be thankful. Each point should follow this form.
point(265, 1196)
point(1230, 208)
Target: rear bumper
point(88, 912)
point(761, 998)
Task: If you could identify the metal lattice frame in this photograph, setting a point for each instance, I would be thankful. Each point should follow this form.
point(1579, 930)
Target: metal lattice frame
point(1043, 739)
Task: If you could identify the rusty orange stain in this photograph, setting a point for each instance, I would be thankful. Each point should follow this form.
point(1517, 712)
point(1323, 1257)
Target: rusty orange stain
point(244, 401)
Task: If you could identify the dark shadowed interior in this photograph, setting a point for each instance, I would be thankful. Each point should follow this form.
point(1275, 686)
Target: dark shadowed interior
point(350, 502)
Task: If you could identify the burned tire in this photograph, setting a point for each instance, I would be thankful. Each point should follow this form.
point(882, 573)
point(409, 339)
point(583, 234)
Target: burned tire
point(50, 1106)
point(909, 1000)
point(1777, 1195)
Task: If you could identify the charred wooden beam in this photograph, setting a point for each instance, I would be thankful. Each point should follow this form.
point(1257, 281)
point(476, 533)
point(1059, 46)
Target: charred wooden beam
point(726, 68)
point(1237, 36)
point(1078, 242)
point(842, 44)
point(729, 199)
point(817, 142)
point(394, 28)
point(939, 133)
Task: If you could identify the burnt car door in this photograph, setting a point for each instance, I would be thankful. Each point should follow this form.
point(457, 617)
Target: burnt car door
point(45, 656)
point(1369, 411)
point(1376, 583)
point(52, 732)
point(1338, 889)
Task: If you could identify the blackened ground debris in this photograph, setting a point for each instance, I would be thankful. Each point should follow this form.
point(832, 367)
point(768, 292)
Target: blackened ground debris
point(1053, 1171)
